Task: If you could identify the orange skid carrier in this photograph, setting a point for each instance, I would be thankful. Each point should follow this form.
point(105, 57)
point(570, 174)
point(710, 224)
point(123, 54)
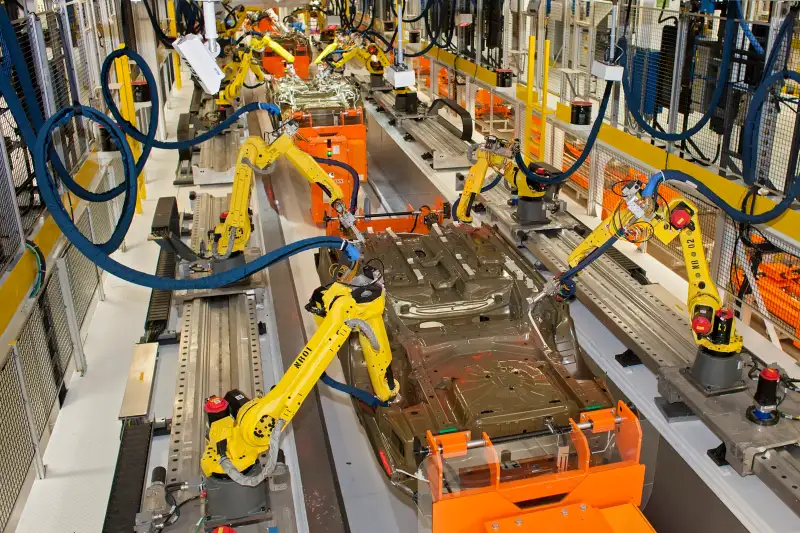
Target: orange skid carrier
point(485, 103)
point(275, 65)
point(411, 222)
point(345, 142)
point(586, 498)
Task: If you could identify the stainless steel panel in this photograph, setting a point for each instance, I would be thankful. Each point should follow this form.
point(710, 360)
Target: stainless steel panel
point(139, 387)
point(218, 352)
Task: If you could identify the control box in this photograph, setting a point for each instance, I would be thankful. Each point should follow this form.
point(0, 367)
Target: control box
point(202, 64)
point(399, 77)
point(607, 71)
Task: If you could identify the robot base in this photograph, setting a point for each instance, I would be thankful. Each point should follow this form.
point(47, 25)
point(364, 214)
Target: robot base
point(406, 103)
point(231, 504)
point(716, 374)
point(532, 211)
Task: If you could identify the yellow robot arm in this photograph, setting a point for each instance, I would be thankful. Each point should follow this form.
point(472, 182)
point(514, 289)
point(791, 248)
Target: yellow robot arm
point(497, 154)
point(233, 233)
point(265, 41)
point(253, 427)
point(331, 48)
point(712, 325)
point(235, 75)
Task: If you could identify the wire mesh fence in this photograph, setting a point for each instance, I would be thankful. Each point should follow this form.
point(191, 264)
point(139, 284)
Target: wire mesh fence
point(14, 435)
point(760, 273)
point(82, 273)
point(45, 346)
point(20, 160)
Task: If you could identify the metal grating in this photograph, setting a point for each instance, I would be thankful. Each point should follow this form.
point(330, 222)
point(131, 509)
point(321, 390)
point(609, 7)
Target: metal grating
point(82, 273)
point(73, 133)
point(19, 158)
point(15, 438)
point(54, 314)
point(102, 224)
point(10, 225)
point(40, 372)
point(775, 269)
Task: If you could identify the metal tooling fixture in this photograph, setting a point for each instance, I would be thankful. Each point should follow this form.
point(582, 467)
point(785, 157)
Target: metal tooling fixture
point(448, 147)
point(661, 338)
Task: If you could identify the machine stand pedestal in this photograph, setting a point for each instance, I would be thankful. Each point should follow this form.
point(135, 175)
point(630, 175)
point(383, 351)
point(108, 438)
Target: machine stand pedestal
point(718, 455)
point(716, 374)
point(675, 412)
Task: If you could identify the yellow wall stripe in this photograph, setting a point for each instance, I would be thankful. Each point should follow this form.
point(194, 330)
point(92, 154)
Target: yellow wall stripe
point(733, 193)
point(18, 283)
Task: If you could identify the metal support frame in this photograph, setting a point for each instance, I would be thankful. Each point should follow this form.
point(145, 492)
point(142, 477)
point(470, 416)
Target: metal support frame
point(69, 52)
point(478, 31)
point(115, 211)
point(72, 318)
point(38, 462)
point(677, 69)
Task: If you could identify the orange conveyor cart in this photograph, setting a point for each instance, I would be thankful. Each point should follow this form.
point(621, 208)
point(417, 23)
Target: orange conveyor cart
point(585, 477)
point(295, 44)
point(344, 141)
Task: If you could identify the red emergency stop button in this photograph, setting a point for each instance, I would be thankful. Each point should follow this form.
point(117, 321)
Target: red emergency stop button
point(223, 216)
point(701, 325)
point(770, 374)
point(215, 405)
point(680, 218)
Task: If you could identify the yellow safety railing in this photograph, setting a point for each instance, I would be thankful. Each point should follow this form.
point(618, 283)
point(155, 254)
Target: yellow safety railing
point(173, 31)
point(128, 111)
point(534, 101)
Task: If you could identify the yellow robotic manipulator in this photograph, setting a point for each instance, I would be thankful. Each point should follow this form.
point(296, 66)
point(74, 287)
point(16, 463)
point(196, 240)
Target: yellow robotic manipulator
point(241, 429)
point(642, 216)
point(498, 154)
point(232, 234)
point(237, 70)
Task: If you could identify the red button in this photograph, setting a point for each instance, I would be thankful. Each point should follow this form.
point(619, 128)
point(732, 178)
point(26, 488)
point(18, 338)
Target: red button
point(215, 405)
point(701, 325)
point(725, 313)
point(680, 218)
point(770, 374)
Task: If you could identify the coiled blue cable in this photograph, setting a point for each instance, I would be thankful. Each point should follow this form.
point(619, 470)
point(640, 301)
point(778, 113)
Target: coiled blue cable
point(37, 134)
point(593, 134)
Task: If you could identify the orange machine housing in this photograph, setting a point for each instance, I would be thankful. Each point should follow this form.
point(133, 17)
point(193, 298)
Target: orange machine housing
point(409, 222)
point(345, 142)
point(579, 498)
point(276, 66)
point(486, 103)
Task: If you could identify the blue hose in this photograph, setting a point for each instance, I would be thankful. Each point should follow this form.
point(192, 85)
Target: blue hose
point(735, 213)
point(746, 27)
point(37, 134)
point(353, 173)
point(589, 259)
point(359, 394)
point(593, 134)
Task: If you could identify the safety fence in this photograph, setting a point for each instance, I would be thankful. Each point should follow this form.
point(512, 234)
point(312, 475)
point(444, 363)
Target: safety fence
point(35, 369)
point(62, 47)
point(756, 271)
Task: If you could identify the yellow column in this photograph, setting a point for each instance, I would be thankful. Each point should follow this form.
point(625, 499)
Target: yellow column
point(128, 112)
point(173, 30)
point(529, 94)
point(545, 86)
